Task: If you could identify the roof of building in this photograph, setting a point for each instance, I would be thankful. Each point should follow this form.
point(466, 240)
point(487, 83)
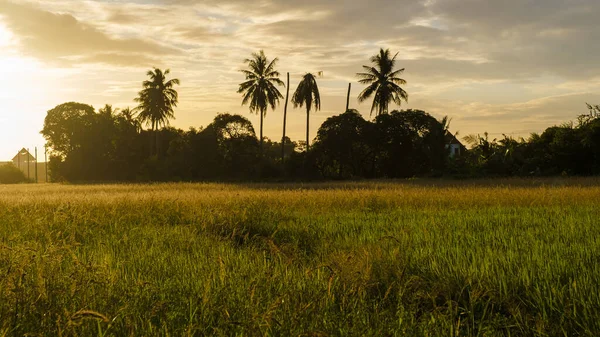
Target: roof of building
point(23, 155)
point(452, 140)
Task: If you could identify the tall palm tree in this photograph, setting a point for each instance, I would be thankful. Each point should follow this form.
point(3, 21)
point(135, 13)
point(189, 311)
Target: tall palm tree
point(157, 100)
point(307, 94)
point(259, 90)
point(382, 81)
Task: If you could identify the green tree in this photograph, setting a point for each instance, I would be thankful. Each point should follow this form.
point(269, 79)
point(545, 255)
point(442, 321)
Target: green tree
point(237, 146)
point(383, 82)
point(80, 140)
point(409, 143)
point(307, 94)
point(259, 90)
point(157, 100)
point(341, 147)
point(108, 111)
point(66, 126)
point(128, 115)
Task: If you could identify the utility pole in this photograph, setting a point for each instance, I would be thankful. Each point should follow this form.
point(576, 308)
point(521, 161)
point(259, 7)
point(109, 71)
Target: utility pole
point(28, 164)
point(348, 97)
point(46, 161)
point(287, 94)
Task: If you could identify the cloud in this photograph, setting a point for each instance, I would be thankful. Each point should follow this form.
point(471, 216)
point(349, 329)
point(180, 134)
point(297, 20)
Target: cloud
point(125, 60)
point(63, 39)
point(458, 38)
point(528, 38)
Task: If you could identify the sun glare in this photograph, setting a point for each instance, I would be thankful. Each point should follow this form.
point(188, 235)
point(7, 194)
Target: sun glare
point(21, 97)
point(6, 36)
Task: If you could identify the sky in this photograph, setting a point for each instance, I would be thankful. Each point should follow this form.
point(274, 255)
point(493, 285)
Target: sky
point(505, 67)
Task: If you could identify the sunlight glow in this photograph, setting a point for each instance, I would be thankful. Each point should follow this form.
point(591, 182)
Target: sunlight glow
point(6, 36)
point(23, 97)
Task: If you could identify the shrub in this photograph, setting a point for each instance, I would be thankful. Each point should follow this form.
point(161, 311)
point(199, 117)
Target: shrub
point(10, 174)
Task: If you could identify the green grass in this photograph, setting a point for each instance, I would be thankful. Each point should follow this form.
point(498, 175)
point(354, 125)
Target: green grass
point(414, 258)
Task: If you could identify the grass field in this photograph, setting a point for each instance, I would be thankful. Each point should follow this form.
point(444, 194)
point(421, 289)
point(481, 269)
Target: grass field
point(414, 258)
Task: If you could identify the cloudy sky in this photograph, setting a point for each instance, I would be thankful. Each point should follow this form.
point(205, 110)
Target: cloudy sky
point(510, 66)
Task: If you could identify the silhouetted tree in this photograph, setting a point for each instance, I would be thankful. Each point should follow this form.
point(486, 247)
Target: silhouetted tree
point(237, 145)
point(259, 90)
point(129, 149)
point(382, 82)
point(408, 143)
point(89, 146)
point(129, 117)
point(157, 100)
point(66, 126)
point(229, 126)
point(307, 94)
point(341, 148)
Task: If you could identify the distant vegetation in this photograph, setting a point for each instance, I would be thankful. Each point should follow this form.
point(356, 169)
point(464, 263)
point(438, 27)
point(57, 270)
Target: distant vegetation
point(350, 259)
point(111, 145)
point(572, 148)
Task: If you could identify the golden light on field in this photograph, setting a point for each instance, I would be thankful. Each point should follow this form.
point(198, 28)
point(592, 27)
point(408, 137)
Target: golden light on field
point(470, 257)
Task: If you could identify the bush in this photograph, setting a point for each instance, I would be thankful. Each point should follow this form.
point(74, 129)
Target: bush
point(10, 174)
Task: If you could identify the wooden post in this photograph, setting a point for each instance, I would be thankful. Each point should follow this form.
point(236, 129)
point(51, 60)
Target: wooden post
point(287, 94)
point(28, 164)
point(36, 165)
point(348, 97)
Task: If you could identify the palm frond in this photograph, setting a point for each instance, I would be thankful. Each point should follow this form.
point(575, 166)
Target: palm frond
point(382, 82)
point(259, 90)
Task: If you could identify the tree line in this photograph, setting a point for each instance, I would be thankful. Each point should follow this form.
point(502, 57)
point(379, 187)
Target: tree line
point(572, 148)
point(113, 145)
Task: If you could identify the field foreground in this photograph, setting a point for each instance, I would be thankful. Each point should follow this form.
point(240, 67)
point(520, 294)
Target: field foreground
point(512, 258)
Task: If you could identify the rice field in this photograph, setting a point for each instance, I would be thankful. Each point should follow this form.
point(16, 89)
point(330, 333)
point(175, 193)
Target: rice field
point(380, 258)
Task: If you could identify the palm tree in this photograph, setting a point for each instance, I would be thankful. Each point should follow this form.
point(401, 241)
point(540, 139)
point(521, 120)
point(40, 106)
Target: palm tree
point(259, 90)
point(157, 100)
point(382, 81)
point(128, 115)
point(107, 111)
point(307, 94)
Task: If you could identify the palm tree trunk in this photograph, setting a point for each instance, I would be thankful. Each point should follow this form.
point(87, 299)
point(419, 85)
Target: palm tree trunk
point(284, 118)
point(307, 126)
point(156, 141)
point(153, 143)
point(262, 115)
